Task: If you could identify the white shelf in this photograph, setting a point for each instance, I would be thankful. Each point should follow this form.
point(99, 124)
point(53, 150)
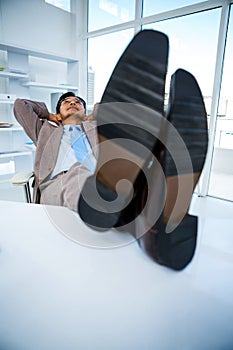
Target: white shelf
point(15, 154)
point(11, 102)
point(12, 128)
point(50, 86)
point(13, 75)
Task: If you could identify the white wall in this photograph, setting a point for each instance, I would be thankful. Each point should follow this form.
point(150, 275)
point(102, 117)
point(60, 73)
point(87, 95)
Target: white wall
point(33, 24)
point(222, 161)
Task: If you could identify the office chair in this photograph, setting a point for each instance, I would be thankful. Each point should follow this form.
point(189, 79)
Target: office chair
point(23, 179)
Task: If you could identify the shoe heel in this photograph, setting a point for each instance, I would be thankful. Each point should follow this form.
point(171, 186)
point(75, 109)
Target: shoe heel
point(176, 249)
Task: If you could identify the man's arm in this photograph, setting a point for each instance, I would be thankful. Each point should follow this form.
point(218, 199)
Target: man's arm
point(30, 115)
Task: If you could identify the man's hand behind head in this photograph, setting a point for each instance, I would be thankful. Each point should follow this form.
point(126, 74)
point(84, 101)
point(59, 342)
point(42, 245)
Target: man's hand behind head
point(56, 118)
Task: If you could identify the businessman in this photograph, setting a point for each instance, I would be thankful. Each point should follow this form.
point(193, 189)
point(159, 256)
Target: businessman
point(65, 147)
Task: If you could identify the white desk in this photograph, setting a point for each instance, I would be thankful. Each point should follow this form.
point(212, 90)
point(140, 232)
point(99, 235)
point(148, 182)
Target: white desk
point(57, 294)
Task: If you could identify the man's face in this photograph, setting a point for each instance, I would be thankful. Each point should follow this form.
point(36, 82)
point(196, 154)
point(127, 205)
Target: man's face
point(72, 106)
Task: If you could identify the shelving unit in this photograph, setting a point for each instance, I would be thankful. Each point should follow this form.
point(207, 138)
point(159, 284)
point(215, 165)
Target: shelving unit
point(45, 76)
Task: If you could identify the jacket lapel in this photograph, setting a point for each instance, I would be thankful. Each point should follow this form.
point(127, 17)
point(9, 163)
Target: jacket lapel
point(91, 131)
point(47, 149)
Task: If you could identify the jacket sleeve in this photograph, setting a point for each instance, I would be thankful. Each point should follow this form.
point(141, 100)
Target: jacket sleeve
point(30, 115)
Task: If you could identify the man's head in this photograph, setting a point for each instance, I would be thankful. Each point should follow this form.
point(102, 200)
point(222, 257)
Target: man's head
point(69, 104)
point(65, 96)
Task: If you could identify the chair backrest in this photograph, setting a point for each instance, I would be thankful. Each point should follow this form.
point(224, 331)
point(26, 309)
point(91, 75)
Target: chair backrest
point(23, 179)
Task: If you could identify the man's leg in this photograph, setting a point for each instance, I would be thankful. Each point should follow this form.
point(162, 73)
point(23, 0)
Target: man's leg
point(72, 185)
point(65, 189)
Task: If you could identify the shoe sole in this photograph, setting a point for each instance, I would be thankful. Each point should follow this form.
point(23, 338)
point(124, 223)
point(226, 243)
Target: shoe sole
point(172, 240)
point(132, 102)
point(187, 114)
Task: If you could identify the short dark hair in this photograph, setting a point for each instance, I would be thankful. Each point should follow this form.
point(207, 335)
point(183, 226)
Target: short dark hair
point(64, 96)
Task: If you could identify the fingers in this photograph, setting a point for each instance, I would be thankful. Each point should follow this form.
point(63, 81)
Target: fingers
point(56, 118)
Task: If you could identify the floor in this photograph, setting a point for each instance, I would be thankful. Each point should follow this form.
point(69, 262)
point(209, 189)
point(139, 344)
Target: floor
point(221, 186)
point(213, 209)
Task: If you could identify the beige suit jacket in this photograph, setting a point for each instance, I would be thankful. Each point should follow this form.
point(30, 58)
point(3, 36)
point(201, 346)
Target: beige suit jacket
point(46, 135)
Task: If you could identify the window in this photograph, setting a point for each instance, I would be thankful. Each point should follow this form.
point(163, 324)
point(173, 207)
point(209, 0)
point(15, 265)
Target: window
point(193, 38)
point(62, 4)
point(152, 7)
point(105, 13)
point(101, 60)
point(193, 46)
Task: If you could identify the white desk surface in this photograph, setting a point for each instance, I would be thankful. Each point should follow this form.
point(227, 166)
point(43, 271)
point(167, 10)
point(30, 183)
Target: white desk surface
point(58, 294)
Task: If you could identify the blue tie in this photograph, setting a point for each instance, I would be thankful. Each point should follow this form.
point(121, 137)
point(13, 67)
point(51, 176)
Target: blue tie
point(79, 144)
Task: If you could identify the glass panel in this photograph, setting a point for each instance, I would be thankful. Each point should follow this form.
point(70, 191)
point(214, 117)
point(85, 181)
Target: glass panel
point(102, 60)
point(151, 7)
point(193, 46)
point(63, 4)
point(105, 13)
point(221, 179)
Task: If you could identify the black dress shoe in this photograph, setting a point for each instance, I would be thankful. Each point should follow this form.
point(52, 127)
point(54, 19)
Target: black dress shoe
point(128, 119)
point(170, 236)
